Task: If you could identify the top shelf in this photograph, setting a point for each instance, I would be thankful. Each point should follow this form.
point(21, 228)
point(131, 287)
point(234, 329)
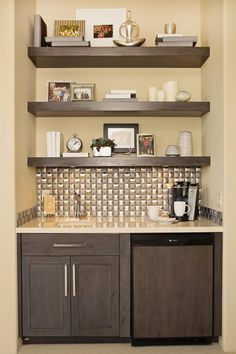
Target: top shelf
point(118, 57)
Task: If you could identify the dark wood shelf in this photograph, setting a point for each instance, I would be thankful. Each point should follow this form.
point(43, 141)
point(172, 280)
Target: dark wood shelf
point(118, 57)
point(118, 109)
point(119, 161)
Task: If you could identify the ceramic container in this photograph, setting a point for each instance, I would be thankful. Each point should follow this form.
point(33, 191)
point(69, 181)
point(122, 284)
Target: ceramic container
point(172, 150)
point(104, 151)
point(183, 96)
point(185, 143)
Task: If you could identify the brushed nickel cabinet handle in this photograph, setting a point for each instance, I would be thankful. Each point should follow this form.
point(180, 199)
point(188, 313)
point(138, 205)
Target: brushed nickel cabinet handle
point(73, 280)
point(70, 245)
point(66, 279)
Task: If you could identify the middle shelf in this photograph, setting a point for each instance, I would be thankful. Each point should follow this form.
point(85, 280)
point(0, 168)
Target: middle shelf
point(118, 109)
point(120, 161)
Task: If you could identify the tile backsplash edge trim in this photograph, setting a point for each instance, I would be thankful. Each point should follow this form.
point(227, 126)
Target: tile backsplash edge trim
point(26, 215)
point(211, 214)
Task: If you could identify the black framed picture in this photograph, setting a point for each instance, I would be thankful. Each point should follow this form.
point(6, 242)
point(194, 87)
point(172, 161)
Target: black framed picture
point(145, 145)
point(124, 135)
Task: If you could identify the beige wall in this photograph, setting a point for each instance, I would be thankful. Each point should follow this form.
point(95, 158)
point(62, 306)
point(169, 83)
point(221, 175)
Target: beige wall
point(218, 138)
point(25, 91)
point(17, 134)
point(212, 90)
point(229, 285)
point(8, 301)
point(151, 21)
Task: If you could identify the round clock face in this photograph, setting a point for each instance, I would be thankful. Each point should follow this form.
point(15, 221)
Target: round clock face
point(74, 144)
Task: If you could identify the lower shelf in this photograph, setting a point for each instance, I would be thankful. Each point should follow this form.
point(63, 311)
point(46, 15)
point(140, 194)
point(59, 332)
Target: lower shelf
point(119, 161)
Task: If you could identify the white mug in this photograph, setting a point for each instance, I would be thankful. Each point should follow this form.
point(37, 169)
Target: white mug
point(154, 212)
point(180, 207)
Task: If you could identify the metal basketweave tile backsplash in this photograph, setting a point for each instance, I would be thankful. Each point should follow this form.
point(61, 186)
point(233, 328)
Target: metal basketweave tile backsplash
point(111, 191)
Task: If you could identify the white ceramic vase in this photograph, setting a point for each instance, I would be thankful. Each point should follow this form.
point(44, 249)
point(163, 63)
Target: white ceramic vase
point(185, 143)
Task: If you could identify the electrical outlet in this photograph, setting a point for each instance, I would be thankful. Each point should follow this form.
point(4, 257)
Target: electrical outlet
point(219, 200)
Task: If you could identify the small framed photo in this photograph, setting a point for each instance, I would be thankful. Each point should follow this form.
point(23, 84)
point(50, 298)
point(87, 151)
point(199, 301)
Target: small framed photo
point(59, 91)
point(83, 92)
point(102, 25)
point(145, 145)
point(124, 135)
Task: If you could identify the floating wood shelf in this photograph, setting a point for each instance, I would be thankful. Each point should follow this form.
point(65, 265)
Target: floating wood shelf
point(118, 109)
point(119, 161)
point(118, 57)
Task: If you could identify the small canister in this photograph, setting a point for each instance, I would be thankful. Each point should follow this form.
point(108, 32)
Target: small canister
point(185, 143)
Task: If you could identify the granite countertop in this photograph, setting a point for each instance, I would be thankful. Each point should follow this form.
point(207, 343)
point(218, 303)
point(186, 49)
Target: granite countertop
point(113, 225)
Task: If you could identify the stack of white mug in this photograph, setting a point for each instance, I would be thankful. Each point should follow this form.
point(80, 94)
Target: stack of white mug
point(185, 143)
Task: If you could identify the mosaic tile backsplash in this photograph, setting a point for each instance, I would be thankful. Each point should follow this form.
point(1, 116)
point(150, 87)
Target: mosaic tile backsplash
point(111, 191)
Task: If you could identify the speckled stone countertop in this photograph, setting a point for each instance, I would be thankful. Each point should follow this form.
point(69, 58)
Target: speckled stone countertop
point(114, 225)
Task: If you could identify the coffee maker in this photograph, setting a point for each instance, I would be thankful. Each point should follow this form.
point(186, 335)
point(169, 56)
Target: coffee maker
point(188, 192)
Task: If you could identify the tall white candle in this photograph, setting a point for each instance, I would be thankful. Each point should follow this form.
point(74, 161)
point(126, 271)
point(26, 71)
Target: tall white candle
point(161, 95)
point(171, 89)
point(152, 93)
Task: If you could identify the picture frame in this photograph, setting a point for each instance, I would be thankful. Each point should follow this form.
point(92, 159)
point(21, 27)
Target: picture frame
point(59, 91)
point(124, 135)
point(102, 25)
point(69, 28)
point(145, 145)
point(82, 92)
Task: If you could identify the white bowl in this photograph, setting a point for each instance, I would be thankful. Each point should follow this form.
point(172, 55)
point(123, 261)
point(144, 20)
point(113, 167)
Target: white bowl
point(172, 150)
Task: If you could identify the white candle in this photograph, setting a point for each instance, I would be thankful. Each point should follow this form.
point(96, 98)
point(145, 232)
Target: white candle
point(152, 93)
point(171, 89)
point(161, 95)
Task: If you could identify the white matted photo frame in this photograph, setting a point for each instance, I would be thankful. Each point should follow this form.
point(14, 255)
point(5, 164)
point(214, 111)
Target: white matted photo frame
point(145, 145)
point(124, 135)
point(102, 25)
point(83, 92)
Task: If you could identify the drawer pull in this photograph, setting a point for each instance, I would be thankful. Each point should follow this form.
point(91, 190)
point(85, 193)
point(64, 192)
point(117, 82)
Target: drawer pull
point(73, 280)
point(66, 276)
point(70, 245)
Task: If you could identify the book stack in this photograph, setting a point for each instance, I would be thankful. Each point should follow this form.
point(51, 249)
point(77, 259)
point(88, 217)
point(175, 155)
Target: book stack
point(75, 154)
point(175, 40)
point(54, 144)
point(121, 95)
point(66, 42)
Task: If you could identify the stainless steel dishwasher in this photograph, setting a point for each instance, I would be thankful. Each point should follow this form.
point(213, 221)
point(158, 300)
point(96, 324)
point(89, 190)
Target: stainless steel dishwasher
point(172, 288)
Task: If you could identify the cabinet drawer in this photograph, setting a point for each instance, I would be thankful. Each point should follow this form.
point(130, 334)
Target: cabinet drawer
point(70, 244)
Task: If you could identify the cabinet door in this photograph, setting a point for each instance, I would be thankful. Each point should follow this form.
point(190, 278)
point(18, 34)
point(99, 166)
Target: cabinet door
point(45, 296)
point(95, 296)
point(172, 291)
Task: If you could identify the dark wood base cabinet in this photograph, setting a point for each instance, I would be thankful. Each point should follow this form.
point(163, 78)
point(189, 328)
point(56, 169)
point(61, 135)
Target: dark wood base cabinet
point(73, 286)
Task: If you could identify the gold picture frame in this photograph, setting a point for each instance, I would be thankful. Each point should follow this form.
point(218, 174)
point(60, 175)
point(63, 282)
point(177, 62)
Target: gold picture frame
point(69, 28)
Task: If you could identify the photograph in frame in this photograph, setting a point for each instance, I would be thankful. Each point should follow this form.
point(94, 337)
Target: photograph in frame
point(124, 136)
point(145, 145)
point(82, 92)
point(102, 25)
point(59, 91)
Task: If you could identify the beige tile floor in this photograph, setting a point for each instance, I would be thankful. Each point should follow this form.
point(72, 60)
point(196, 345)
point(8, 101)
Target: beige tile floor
point(117, 349)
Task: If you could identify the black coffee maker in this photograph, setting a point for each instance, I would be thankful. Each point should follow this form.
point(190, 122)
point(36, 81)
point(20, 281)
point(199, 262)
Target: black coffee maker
point(188, 192)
